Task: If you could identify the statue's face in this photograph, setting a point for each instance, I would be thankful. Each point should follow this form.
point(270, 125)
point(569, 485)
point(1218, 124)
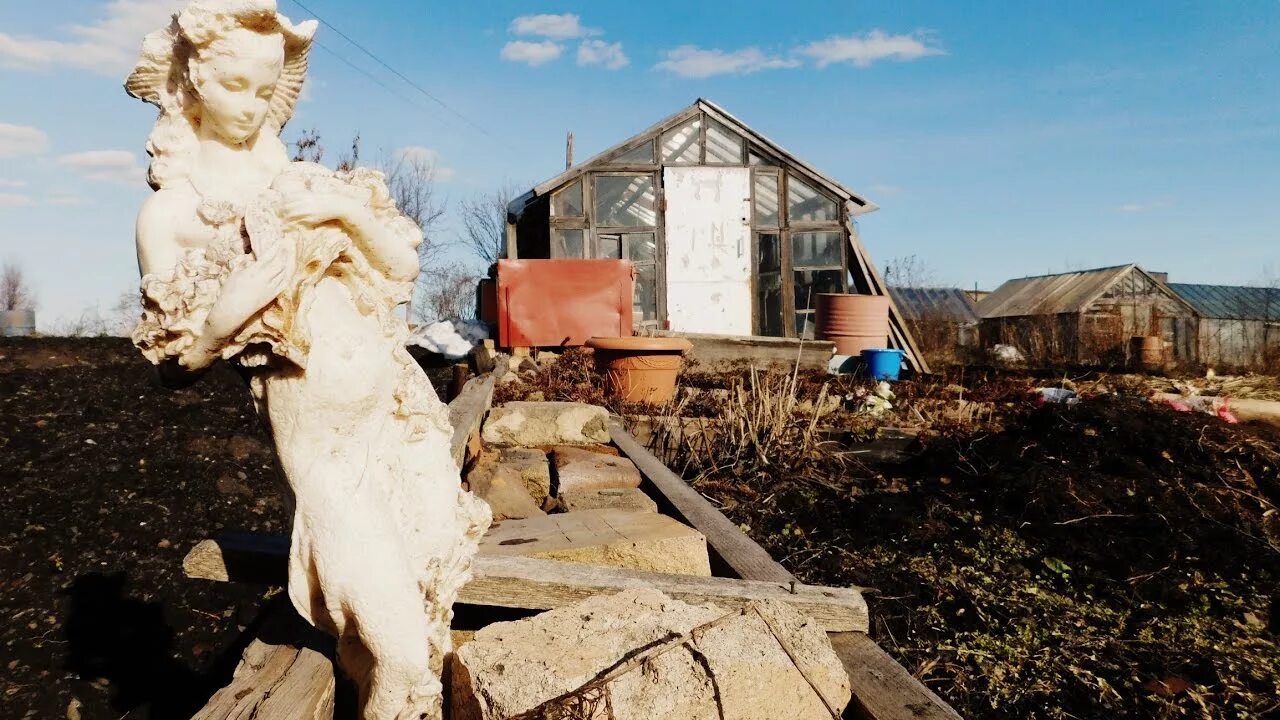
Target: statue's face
point(236, 81)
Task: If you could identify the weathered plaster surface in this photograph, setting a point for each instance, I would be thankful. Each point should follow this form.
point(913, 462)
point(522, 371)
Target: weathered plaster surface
point(708, 236)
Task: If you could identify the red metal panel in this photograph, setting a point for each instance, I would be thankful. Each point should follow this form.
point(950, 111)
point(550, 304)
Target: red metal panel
point(551, 303)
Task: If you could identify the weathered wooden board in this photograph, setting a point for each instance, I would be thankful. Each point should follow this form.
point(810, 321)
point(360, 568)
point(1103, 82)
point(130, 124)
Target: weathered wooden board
point(725, 541)
point(536, 584)
point(275, 682)
point(466, 413)
point(726, 351)
point(882, 689)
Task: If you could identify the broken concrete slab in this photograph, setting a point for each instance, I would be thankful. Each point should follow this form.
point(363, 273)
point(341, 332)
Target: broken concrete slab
point(532, 424)
point(612, 538)
point(503, 488)
point(654, 657)
point(533, 468)
point(630, 499)
point(579, 469)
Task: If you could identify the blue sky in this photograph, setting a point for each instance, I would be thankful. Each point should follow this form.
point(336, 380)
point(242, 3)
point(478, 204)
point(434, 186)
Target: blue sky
point(999, 139)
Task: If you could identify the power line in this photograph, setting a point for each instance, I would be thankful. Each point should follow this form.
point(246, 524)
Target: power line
point(364, 72)
point(395, 72)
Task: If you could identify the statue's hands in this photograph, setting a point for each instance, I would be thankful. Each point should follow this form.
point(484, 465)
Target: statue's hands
point(319, 209)
point(250, 288)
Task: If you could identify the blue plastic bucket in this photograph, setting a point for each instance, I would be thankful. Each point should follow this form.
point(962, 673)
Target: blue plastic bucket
point(883, 363)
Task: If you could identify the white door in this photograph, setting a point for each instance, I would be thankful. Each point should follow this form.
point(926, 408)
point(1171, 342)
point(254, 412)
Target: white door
point(708, 234)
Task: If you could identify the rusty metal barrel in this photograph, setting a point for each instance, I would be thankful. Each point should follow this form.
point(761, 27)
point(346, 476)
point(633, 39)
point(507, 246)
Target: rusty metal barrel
point(1150, 350)
point(853, 322)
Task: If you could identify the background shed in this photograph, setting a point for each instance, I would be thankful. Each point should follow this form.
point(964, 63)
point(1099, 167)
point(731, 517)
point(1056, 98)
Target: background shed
point(1089, 316)
point(942, 320)
point(729, 233)
point(1239, 326)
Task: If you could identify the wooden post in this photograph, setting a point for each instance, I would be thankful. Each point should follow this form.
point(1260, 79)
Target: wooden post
point(568, 151)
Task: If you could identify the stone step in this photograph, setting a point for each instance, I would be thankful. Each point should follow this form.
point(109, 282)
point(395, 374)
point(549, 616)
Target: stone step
point(611, 538)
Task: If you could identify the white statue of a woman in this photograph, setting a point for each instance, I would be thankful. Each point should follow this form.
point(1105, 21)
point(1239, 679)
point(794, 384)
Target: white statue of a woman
point(294, 272)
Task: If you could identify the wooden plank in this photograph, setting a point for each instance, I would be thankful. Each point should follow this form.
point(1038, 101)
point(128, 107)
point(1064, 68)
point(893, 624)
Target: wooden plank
point(883, 689)
point(725, 541)
point(726, 351)
point(275, 682)
point(467, 411)
point(536, 584)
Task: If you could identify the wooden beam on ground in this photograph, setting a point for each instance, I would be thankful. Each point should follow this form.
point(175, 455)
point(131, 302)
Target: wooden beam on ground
point(275, 682)
point(536, 584)
point(729, 351)
point(466, 413)
point(882, 689)
point(739, 552)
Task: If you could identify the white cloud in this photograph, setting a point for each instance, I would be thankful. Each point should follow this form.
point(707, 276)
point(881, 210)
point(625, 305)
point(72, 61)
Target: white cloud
point(18, 140)
point(557, 27)
point(1134, 207)
point(12, 183)
point(11, 200)
point(693, 62)
point(599, 52)
point(108, 46)
point(531, 53)
point(428, 156)
point(65, 200)
point(863, 50)
point(106, 165)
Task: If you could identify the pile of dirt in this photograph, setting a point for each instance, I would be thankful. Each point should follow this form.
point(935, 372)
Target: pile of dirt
point(108, 480)
point(1106, 559)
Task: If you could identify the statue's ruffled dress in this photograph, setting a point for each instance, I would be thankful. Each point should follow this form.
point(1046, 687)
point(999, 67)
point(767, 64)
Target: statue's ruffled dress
point(358, 428)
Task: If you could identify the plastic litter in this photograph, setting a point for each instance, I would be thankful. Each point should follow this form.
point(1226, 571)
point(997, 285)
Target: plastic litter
point(449, 340)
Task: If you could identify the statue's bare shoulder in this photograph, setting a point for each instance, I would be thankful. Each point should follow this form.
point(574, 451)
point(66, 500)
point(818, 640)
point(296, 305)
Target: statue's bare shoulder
point(165, 228)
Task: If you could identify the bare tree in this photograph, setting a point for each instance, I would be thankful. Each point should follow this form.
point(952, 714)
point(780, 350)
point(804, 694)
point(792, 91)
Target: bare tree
point(307, 147)
point(484, 223)
point(15, 293)
point(447, 293)
point(909, 272)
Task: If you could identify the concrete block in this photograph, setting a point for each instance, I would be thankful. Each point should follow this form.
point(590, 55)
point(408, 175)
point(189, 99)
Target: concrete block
point(630, 499)
point(612, 538)
point(578, 469)
point(503, 488)
point(533, 468)
point(656, 658)
point(533, 424)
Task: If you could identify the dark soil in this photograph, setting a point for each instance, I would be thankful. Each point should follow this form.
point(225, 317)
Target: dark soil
point(1104, 560)
point(108, 480)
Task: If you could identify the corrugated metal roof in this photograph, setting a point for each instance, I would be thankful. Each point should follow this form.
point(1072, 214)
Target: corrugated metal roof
point(1231, 302)
point(953, 304)
point(1050, 294)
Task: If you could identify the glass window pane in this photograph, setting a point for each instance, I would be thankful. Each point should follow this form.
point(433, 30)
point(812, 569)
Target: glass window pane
point(770, 253)
point(754, 158)
point(766, 200)
point(645, 299)
point(682, 144)
point(815, 249)
point(642, 153)
point(804, 325)
point(641, 247)
point(723, 144)
point(769, 298)
point(566, 243)
point(806, 204)
point(809, 284)
point(567, 201)
point(625, 201)
point(610, 246)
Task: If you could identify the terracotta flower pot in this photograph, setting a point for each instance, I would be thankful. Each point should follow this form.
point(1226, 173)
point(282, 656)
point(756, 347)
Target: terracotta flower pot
point(640, 369)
